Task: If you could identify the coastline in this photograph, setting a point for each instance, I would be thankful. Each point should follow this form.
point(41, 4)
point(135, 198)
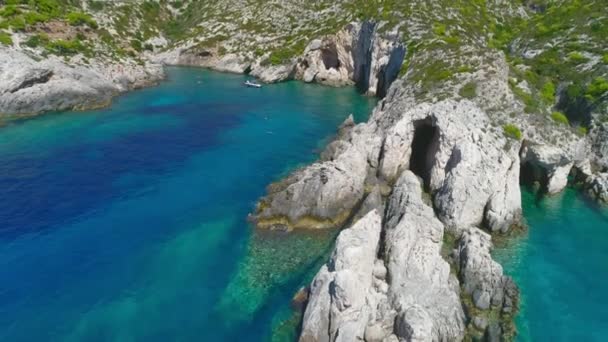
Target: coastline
point(472, 174)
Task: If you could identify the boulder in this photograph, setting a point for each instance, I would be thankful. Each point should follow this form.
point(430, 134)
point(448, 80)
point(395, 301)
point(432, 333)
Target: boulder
point(481, 277)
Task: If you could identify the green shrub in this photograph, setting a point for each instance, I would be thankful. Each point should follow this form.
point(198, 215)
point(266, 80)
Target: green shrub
point(577, 57)
point(5, 39)
point(605, 58)
point(37, 40)
point(512, 131)
point(32, 18)
point(454, 40)
point(548, 92)
point(79, 19)
point(96, 5)
point(9, 11)
point(17, 23)
point(596, 88)
point(136, 45)
point(560, 118)
point(283, 55)
point(439, 29)
point(50, 8)
point(582, 130)
point(469, 90)
point(66, 47)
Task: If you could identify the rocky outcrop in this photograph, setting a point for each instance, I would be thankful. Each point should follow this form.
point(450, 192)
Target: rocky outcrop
point(207, 57)
point(403, 291)
point(273, 73)
point(28, 86)
point(598, 137)
point(357, 54)
point(328, 60)
point(489, 289)
point(28, 78)
point(422, 291)
point(326, 193)
point(597, 187)
point(342, 293)
point(550, 166)
point(472, 172)
point(481, 276)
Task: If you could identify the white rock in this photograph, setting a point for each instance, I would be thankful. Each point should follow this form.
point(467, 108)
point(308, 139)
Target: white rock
point(339, 292)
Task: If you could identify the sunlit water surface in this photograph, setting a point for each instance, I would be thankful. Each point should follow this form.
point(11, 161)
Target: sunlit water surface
point(129, 223)
point(561, 267)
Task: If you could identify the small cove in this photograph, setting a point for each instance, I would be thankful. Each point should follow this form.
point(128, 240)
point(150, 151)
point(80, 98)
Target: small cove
point(129, 223)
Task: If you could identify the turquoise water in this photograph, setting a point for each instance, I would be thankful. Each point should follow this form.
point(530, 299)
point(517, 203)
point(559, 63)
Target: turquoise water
point(129, 223)
point(561, 267)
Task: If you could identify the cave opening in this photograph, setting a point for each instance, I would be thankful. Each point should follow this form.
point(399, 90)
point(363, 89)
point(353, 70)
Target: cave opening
point(534, 178)
point(424, 148)
point(330, 58)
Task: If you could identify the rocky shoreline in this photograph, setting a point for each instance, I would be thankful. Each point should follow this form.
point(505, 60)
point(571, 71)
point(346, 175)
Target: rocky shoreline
point(31, 85)
point(421, 185)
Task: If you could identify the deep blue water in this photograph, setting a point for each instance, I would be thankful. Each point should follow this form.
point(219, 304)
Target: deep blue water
point(129, 223)
point(561, 267)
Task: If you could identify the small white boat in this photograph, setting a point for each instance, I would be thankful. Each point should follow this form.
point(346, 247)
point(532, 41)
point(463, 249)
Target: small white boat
point(252, 84)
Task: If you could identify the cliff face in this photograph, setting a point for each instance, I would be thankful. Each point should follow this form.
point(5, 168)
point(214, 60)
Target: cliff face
point(357, 55)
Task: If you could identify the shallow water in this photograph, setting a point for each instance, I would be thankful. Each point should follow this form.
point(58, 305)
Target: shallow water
point(129, 223)
point(561, 267)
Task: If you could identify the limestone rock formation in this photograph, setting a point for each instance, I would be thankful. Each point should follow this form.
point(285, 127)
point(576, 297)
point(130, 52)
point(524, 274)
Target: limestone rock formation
point(554, 165)
point(483, 280)
point(339, 307)
point(404, 292)
point(482, 277)
point(357, 54)
point(29, 87)
point(329, 60)
point(472, 172)
point(599, 142)
point(597, 187)
point(323, 194)
point(422, 290)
